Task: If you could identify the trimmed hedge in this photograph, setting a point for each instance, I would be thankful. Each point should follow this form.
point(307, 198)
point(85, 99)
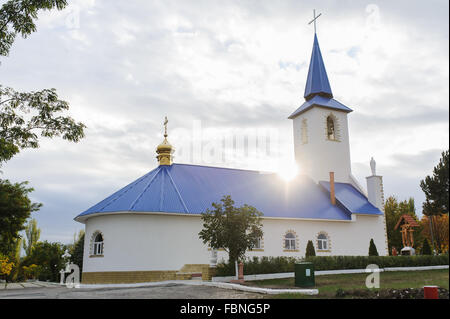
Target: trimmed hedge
point(271, 265)
point(361, 262)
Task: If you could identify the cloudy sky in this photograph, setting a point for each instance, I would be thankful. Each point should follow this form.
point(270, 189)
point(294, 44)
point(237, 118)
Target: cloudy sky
point(226, 67)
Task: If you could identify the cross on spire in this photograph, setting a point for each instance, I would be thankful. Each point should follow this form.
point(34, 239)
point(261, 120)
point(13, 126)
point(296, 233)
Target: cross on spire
point(165, 126)
point(314, 19)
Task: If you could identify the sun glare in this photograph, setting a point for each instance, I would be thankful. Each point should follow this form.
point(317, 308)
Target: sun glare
point(288, 172)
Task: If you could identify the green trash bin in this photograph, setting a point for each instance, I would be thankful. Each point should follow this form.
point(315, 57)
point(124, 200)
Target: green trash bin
point(304, 275)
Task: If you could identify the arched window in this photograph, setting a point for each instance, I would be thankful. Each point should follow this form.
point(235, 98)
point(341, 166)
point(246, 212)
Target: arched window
point(322, 242)
point(97, 244)
point(289, 241)
point(331, 130)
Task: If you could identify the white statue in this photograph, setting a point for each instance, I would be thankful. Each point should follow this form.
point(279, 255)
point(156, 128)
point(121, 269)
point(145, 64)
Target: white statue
point(66, 258)
point(373, 165)
point(62, 273)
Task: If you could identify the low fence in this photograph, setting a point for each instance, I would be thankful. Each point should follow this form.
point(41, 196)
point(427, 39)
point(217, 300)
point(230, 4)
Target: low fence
point(281, 264)
point(324, 272)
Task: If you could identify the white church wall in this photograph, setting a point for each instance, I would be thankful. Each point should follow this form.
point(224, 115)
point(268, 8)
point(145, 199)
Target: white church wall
point(375, 228)
point(345, 238)
point(319, 156)
point(140, 242)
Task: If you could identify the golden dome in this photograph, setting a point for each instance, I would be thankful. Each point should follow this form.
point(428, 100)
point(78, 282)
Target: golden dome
point(165, 149)
point(165, 146)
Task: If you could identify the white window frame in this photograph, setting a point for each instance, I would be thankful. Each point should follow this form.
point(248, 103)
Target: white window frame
point(290, 242)
point(97, 246)
point(322, 243)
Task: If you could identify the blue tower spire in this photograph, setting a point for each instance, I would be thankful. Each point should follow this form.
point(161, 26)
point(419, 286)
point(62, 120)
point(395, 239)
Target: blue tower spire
point(317, 82)
point(318, 90)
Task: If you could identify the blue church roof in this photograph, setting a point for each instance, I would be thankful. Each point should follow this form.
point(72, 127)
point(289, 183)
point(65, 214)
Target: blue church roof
point(317, 81)
point(352, 199)
point(191, 189)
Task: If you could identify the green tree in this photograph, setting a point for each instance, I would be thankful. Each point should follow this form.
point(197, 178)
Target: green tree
point(78, 251)
point(231, 228)
point(426, 249)
point(310, 251)
point(17, 249)
point(48, 256)
point(15, 209)
point(76, 238)
point(25, 116)
point(393, 214)
point(436, 189)
point(33, 233)
point(372, 248)
point(15, 257)
point(17, 17)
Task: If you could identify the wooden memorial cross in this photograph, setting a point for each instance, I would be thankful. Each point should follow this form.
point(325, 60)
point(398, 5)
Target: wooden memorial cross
point(407, 224)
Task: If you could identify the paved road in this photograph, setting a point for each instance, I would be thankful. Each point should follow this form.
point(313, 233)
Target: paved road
point(169, 291)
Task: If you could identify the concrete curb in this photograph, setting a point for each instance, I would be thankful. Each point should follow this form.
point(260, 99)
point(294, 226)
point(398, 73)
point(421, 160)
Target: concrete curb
point(205, 283)
point(28, 284)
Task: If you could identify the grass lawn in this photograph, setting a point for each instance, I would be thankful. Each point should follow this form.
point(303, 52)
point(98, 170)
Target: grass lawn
point(329, 284)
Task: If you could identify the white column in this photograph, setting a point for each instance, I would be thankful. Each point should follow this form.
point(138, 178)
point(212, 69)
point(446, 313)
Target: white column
point(375, 191)
point(375, 194)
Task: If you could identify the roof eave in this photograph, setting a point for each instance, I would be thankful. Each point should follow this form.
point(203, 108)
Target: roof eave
point(295, 114)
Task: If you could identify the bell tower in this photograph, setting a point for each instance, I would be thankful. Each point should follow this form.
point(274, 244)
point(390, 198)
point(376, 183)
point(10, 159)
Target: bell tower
point(321, 141)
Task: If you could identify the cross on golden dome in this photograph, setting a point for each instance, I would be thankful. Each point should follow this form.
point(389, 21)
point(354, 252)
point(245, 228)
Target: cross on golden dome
point(165, 149)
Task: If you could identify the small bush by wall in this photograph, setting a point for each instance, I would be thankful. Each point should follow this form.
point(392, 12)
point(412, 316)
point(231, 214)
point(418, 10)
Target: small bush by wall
point(372, 248)
point(310, 251)
point(271, 265)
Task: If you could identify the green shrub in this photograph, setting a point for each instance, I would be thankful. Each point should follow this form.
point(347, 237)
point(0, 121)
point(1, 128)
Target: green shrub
point(310, 251)
point(426, 249)
point(361, 262)
point(372, 248)
point(269, 265)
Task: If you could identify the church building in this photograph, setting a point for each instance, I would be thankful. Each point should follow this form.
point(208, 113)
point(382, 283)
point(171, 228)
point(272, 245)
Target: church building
point(148, 230)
